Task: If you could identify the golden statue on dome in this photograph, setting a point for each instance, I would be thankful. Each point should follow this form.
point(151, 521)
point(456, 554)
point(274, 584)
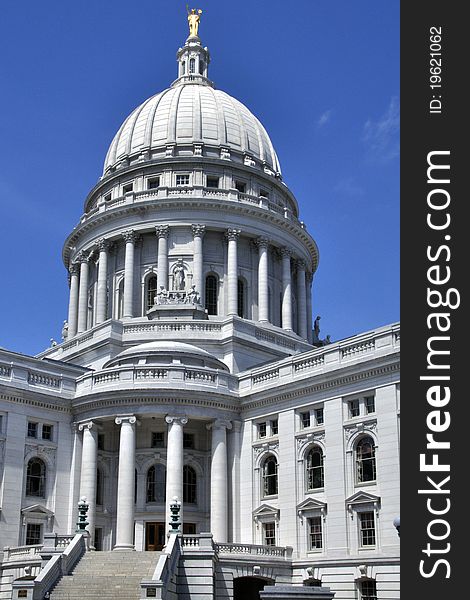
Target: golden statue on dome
point(194, 16)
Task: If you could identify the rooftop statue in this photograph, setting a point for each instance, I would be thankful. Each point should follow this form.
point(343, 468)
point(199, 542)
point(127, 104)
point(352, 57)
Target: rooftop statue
point(194, 16)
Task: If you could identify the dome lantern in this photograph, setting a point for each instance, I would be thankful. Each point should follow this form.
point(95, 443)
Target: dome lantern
point(193, 59)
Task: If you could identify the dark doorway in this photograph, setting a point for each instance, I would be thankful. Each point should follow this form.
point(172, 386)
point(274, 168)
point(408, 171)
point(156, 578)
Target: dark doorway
point(154, 536)
point(248, 588)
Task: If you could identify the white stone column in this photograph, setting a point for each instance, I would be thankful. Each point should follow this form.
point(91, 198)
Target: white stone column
point(309, 308)
point(219, 480)
point(102, 292)
point(74, 270)
point(234, 450)
point(88, 473)
point(83, 292)
point(301, 299)
point(130, 238)
point(125, 492)
point(232, 271)
point(263, 281)
point(286, 290)
point(198, 260)
point(174, 471)
point(162, 261)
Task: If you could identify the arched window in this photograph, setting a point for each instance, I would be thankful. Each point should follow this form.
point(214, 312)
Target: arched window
point(212, 285)
point(365, 460)
point(241, 298)
point(120, 299)
point(99, 487)
point(36, 478)
point(192, 65)
point(315, 473)
point(201, 67)
point(151, 291)
point(156, 482)
point(189, 485)
point(183, 67)
point(270, 476)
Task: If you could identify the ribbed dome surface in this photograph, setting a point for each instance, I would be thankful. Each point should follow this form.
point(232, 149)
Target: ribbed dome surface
point(187, 114)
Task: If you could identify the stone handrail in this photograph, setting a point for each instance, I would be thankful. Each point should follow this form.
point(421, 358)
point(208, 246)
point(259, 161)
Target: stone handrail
point(21, 552)
point(160, 586)
point(60, 564)
point(284, 553)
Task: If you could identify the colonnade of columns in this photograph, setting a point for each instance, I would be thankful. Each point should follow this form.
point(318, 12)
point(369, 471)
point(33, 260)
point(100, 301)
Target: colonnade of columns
point(79, 280)
point(174, 476)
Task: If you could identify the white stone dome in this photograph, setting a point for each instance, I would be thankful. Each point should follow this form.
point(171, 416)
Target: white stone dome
point(189, 113)
point(166, 352)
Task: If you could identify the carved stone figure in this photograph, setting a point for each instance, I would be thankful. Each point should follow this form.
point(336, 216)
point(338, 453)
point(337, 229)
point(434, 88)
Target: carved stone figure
point(65, 330)
point(192, 296)
point(162, 296)
point(316, 330)
point(179, 281)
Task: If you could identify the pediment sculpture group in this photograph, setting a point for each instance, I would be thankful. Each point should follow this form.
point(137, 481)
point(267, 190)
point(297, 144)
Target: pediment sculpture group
point(178, 295)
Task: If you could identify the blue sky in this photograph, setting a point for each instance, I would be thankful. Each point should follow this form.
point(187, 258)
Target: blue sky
point(321, 75)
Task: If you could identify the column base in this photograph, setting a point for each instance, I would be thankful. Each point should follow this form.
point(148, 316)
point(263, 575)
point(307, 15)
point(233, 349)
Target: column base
point(123, 547)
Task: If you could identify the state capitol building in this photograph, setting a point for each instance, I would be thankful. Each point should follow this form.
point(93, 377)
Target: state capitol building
point(190, 368)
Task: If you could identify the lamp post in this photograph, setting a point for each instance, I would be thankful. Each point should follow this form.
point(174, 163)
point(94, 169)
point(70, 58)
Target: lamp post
point(396, 523)
point(82, 515)
point(175, 521)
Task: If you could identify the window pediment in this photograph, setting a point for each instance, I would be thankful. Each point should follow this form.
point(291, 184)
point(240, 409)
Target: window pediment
point(362, 499)
point(37, 510)
point(265, 512)
point(311, 505)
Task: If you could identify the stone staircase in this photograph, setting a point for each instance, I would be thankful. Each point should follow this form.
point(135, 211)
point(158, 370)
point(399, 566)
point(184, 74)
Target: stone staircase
point(107, 576)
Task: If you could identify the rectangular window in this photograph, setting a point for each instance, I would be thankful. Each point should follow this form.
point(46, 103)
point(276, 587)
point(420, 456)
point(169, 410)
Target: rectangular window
point(263, 194)
point(240, 186)
point(368, 590)
point(315, 539)
point(182, 180)
point(1, 423)
point(107, 198)
point(367, 529)
point(370, 404)
point(188, 440)
point(213, 182)
point(33, 534)
point(305, 419)
point(274, 427)
point(47, 432)
point(101, 441)
point(269, 530)
point(153, 183)
point(262, 430)
point(353, 408)
point(129, 187)
point(158, 439)
point(319, 416)
point(32, 429)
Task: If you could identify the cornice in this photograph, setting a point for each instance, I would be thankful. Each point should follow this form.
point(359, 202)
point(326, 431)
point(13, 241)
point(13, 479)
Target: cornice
point(204, 204)
point(330, 384)
point(39, 403)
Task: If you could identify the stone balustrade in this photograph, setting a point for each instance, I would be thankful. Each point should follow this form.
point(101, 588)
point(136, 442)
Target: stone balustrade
point(196, 191)
point(22, 553)
point(271, 552)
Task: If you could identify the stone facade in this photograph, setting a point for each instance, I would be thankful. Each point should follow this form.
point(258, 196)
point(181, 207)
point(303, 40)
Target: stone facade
point(187, 369)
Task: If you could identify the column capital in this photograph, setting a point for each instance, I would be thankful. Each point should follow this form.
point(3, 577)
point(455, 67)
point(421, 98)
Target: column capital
point(129, 236)
point(198, 230)
point(88, 425)
point(74, 268)
point(219, 424)
point(83, 257)
point(132, 419)
point(285, 252)
point(232, 234)
point(300, 264)
point(183, 420)
point(261, 242)
point(237, 426)
point(162, 231)
point(309, 277)
point(103, 245)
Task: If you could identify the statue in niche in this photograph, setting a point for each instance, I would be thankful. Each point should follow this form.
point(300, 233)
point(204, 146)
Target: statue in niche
point(194, 17)
point(179, 276)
